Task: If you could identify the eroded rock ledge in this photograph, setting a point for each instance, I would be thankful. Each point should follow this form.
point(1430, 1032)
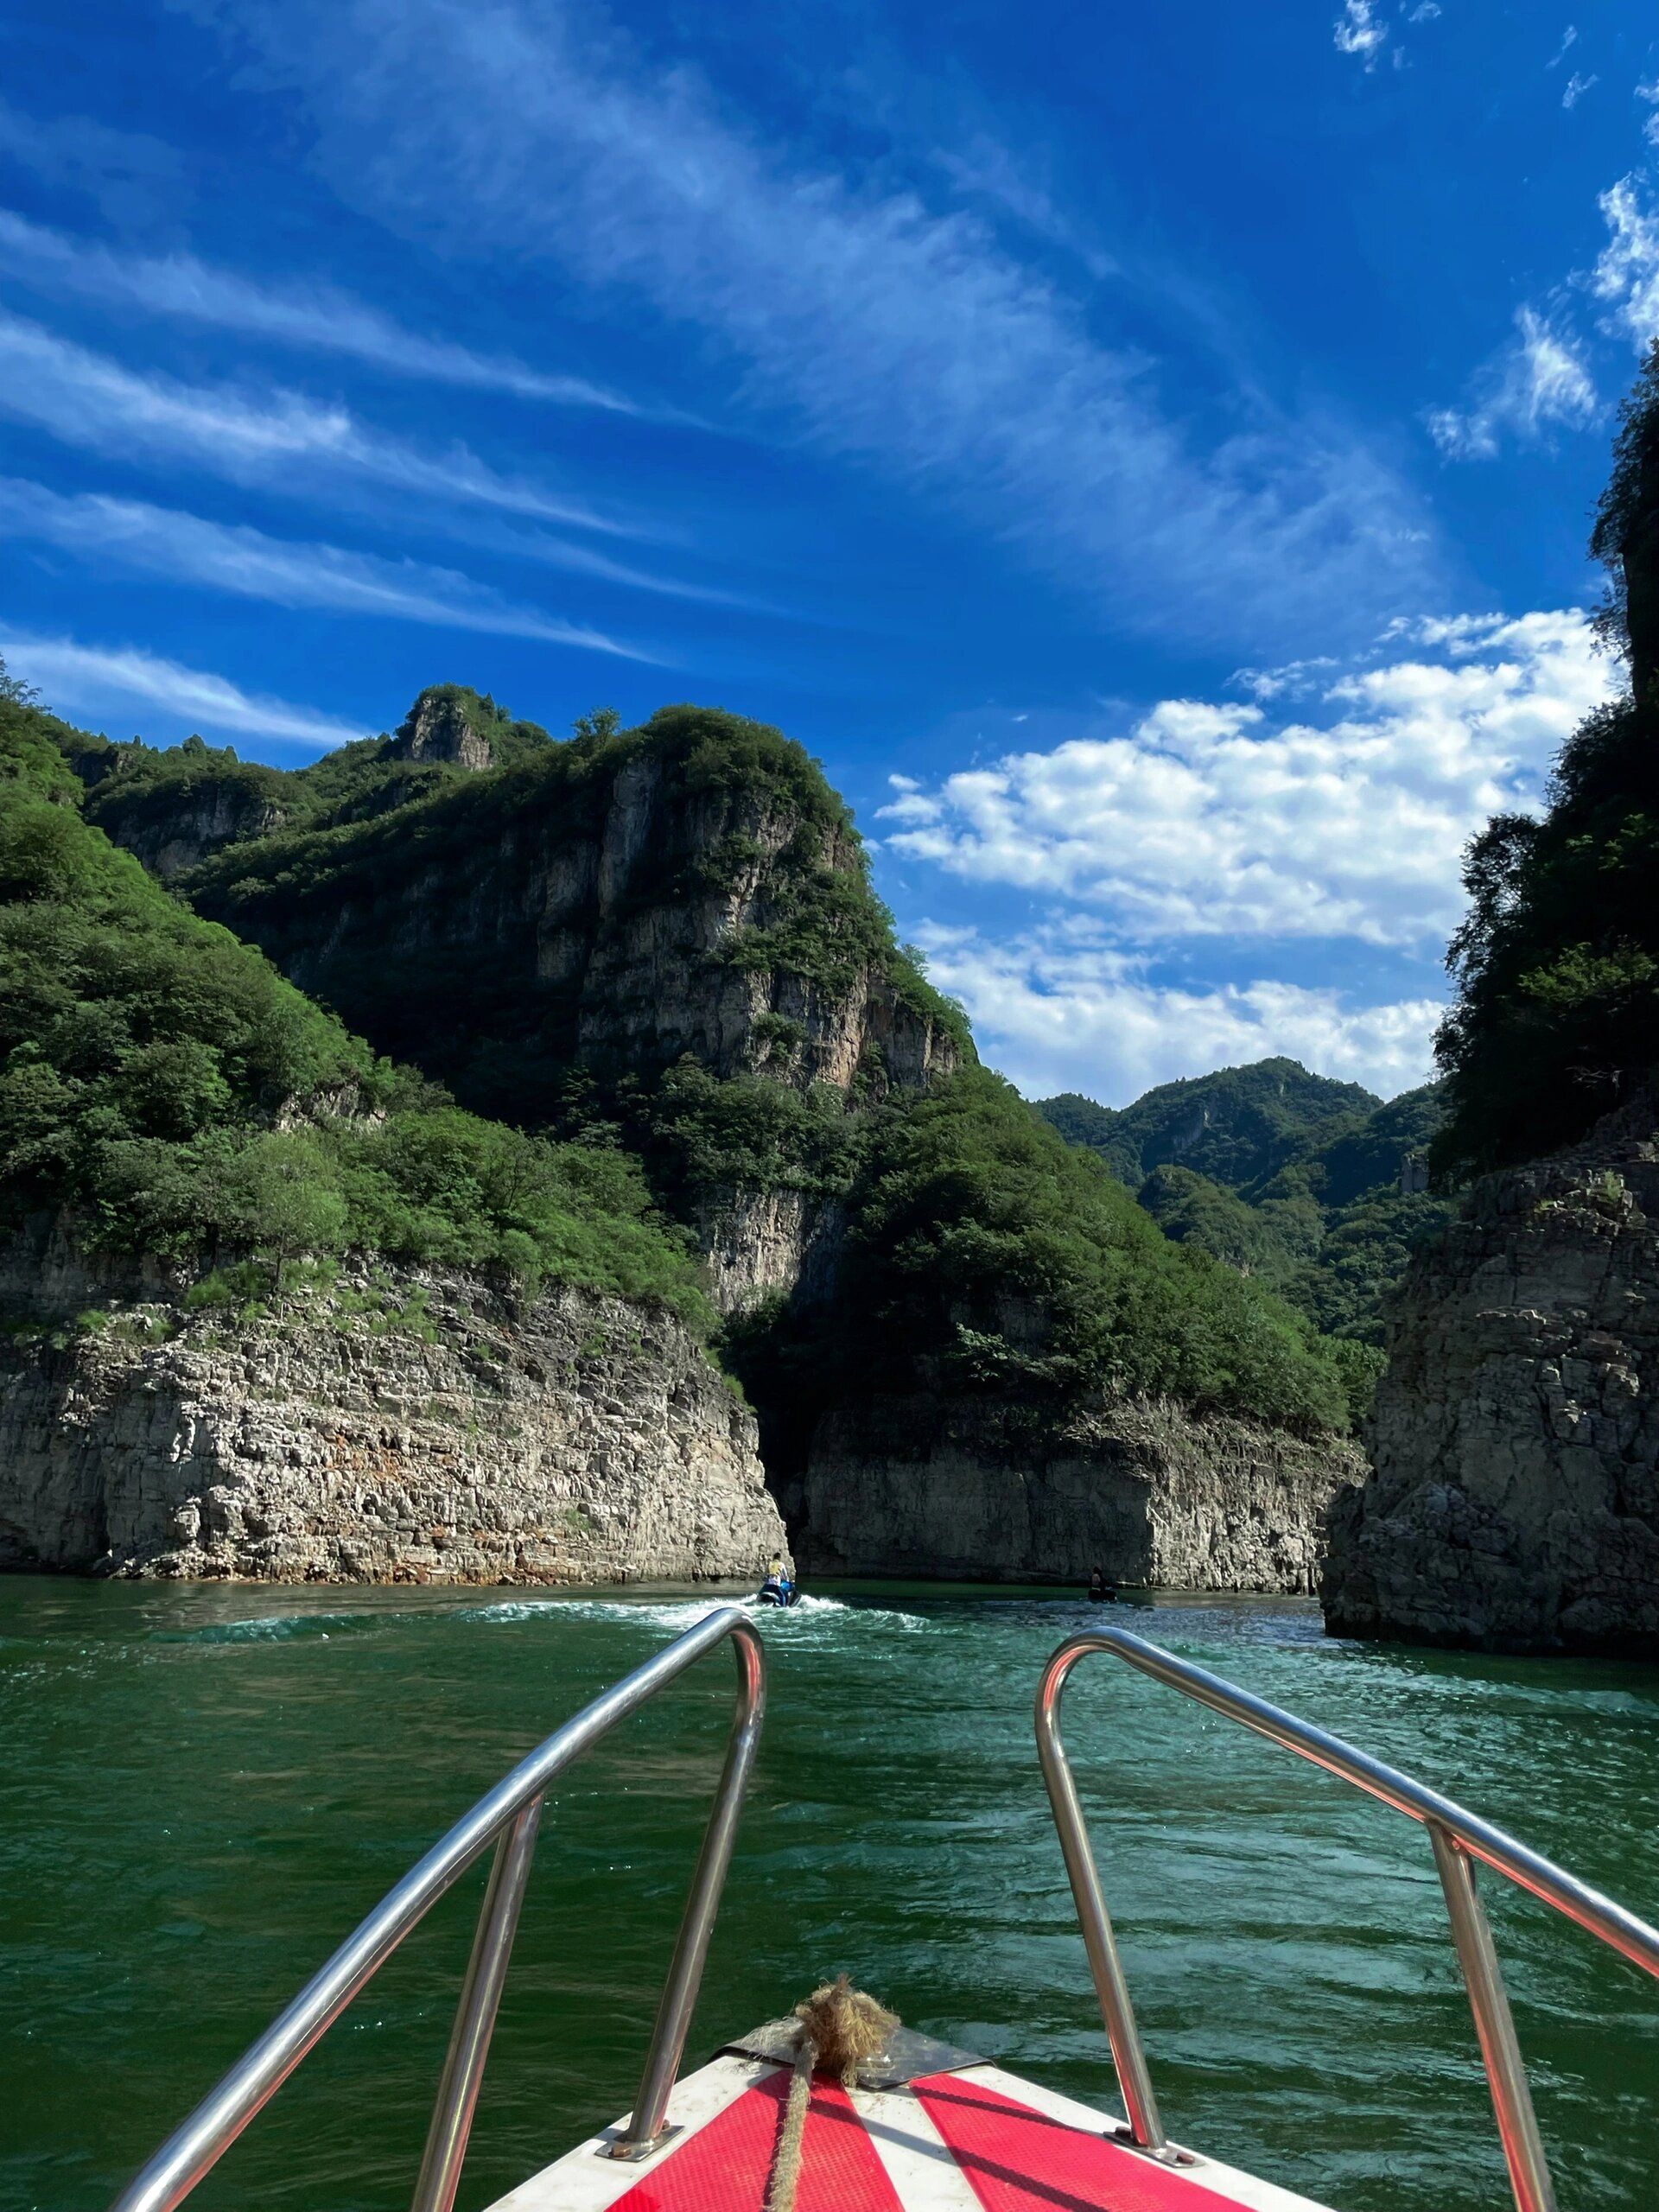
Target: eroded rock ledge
point(447, 1433)
point(1514, 1504)
point(969, 1490)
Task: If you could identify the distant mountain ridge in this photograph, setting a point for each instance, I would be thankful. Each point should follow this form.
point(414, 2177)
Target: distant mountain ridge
point(1287, 1175)
point(1238, 1126)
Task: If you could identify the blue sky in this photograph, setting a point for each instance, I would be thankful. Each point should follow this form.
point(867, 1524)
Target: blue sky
point(1147, 454)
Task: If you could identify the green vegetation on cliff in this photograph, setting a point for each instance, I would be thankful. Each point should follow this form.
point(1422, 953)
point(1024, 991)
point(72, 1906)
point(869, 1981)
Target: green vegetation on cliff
point(984, 1253)
point(1237, 1127)
point(661, 946)
point(1286, 1177)
point(508, 1029)
point(175, 804)
point(164, 1084)
point(1557, 965)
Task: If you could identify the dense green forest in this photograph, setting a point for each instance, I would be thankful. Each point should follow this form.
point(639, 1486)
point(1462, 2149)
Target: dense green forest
point(162, 1081)
point(1292, 1178)
point(513, 1041)
point(1557, 965)
point(986, 1254)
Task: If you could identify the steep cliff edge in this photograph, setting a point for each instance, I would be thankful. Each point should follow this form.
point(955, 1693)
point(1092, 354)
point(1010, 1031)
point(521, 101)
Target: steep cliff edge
point(1514, 1504)
point(972, 1490)
point(554, 940)
point(402, 1426)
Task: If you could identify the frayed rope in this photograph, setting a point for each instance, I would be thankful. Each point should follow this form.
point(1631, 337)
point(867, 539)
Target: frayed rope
point(840, 2028)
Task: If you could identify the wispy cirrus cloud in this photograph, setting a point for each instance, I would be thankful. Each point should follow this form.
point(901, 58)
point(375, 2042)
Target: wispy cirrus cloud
point(1206, 819)
point(1626, 274)
point(317, 317)
point(237, 559)
point(855, 314)
point(1537, 383)
point(129, 176)
point(96, 679)
point(275, 437)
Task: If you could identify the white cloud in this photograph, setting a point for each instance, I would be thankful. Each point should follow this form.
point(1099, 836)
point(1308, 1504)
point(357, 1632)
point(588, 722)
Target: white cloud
point(1650, 93)
point(1535, 384)
point(906, 337)
point(94, 679)
point(1569, 40)
point(1206, 820)
point(1626, 275)
point(162, 541)
point(1057, 1010)
point(316, 316)
point(1358, 31)
point(1575, 89)
point(277, 438)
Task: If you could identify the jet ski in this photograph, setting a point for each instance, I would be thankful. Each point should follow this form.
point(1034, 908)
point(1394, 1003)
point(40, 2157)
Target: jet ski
point(776, 1590)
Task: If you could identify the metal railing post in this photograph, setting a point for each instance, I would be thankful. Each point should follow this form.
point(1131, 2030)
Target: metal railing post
point(1128, 2054)
point(679, 1996)
point(195, 2146)
point(1506, 2072)
point(480, 1998)
point(1459, 1840)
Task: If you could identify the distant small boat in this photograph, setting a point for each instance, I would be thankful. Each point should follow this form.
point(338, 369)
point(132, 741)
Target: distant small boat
point(914, 2124)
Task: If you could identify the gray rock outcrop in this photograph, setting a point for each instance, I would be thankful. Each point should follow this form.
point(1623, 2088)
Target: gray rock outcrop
point(1514, 1504)
point(620, 930)
point(407, 1427)
point(965, 1490)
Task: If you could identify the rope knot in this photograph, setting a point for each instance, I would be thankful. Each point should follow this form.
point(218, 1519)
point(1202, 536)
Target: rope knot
point(841, 2027)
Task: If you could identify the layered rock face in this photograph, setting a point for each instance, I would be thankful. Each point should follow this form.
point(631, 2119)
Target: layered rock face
point(957, 1489)
point(614, 925)
point(1514, 1504)
point(440, 1432)
point(620, 936)
point(175, 835)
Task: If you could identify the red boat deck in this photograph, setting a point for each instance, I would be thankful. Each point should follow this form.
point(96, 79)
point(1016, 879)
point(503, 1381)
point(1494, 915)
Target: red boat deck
point(981, 2140)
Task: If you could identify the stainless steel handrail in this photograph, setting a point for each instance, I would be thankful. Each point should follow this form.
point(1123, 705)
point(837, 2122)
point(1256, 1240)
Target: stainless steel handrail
point(511, 1812)
point(1459, 1838)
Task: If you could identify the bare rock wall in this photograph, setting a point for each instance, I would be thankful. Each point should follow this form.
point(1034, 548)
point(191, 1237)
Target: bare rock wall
point(453, 1436)
point(1514, 1504)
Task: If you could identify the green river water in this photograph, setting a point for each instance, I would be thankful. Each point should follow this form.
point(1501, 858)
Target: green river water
point(204, 1787)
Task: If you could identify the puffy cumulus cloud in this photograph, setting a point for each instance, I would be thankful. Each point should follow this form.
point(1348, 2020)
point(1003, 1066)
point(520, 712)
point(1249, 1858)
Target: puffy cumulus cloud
point(94, 679)
point(1061, 1009)
point(1534, 385)
point(1208, 818)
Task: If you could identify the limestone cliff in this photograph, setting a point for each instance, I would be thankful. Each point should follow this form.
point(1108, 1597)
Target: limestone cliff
point(690, 894)
point(1514, 1504)
point(959, 1490)
point(421, 1427)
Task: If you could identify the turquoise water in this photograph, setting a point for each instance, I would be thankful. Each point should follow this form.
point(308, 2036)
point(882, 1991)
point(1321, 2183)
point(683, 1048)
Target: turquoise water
point(204, 1787)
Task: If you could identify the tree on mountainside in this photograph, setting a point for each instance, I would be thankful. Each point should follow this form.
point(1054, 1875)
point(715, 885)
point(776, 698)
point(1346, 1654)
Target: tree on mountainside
point(164, 1091)
point(1557, 963)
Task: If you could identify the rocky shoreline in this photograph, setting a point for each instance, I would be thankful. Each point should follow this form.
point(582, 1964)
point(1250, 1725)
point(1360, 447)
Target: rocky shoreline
point(971, 1489)
point(409, 1425)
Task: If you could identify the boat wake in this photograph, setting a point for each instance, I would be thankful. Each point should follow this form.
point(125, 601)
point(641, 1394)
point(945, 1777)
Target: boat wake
point(678, 1614)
